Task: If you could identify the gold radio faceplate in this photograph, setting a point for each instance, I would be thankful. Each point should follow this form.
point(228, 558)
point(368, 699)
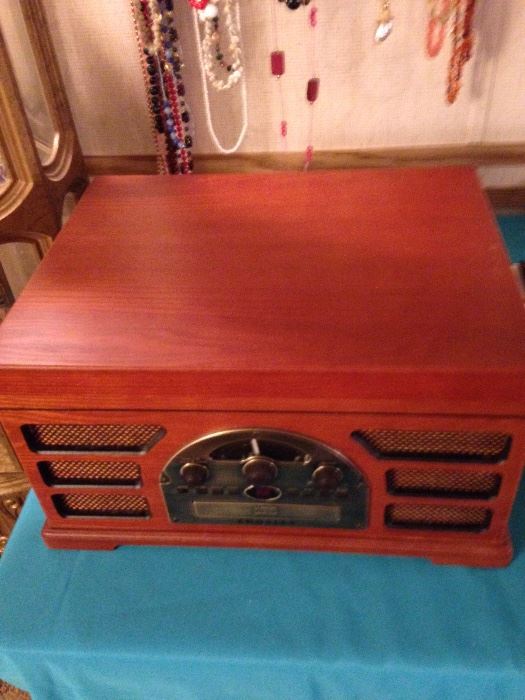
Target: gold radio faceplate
point(266, 477)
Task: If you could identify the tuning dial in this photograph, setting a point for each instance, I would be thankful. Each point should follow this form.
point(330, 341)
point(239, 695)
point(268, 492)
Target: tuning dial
point(259, 470)
point(327, 476)
point(194, 473)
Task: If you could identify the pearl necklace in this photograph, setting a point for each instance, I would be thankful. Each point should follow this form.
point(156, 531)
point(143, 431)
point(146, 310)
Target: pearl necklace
point(212, 54)
point(210, 15)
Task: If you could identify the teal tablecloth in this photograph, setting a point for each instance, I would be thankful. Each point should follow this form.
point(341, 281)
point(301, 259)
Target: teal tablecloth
point(155, 623)
point(513, 229)
point(174, 624)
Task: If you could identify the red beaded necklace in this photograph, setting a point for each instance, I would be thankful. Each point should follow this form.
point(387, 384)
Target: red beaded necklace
point(277, 67)
point(462, 44)
point(440, 14)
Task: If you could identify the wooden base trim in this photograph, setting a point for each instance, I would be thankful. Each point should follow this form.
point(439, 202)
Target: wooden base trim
point(473, 155)
point(456, 552)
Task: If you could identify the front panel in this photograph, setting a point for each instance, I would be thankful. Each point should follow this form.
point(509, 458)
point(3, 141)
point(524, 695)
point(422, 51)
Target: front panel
point(437, 486)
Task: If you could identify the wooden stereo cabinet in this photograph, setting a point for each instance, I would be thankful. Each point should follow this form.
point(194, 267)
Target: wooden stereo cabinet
point(332, 361)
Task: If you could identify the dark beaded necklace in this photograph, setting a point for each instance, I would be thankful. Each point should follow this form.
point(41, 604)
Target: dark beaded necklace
point(162, 64)
point(295, 4)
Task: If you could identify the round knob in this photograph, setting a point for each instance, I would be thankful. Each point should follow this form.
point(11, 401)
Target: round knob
point(259, 470)
point(327, 476)
point(194, 473)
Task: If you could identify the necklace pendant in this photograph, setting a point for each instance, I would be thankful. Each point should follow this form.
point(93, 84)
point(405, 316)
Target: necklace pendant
point(277, 63)
point(384, 30)
point(312, 90)
point(385, 23)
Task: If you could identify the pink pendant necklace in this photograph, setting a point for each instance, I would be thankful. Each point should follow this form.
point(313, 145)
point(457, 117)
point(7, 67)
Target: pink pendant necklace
point(312, 87)
point(278, 67)
point(440, 12)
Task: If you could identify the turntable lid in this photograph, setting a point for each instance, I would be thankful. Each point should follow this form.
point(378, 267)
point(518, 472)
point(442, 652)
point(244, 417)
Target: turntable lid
point(369, 273)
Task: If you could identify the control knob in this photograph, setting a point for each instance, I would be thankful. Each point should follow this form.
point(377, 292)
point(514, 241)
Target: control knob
point(194, 473)
point(327, 476)
point(260, 470)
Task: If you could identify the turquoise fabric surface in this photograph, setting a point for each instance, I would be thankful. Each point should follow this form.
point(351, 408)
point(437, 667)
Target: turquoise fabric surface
point(151, 623)
point(180, 624)
point(513, 229)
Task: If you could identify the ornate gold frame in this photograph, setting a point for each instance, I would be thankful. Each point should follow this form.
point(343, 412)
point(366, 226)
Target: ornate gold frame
point(33, 200)
point(31, 204)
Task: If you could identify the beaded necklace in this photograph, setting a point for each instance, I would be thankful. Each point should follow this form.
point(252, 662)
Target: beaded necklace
point(212, 52)
point(462, 44)
point(212, 56)
point(277, 67)
point(440, 13)
point(161, 67)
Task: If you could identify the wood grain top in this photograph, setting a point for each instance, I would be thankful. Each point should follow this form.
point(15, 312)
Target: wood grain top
point(347, 271)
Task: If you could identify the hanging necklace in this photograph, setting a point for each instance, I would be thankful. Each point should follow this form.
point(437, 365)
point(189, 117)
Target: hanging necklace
point(212, 51)
point(212, 56)
point(312, 87)
point(161, 67)
point(439, 14)
point(462, 44)
point(294, 4)
point(277, 67)
point(385, 22)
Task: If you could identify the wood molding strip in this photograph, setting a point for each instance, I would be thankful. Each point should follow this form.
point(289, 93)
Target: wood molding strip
point(474, 155)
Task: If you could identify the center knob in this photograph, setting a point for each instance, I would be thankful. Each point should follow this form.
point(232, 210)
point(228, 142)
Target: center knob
point(260, 470)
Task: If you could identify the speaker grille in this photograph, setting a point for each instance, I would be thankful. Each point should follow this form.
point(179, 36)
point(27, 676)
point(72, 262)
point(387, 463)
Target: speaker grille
point(90, 473)
point(441, 483)
point(61, 437)
point(435, 445)
point(101, 505)
point(409, 515)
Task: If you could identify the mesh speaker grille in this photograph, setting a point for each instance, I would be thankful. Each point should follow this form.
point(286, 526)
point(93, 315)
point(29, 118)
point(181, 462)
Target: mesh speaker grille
point(61, 437)
point(90, 473)
point(411, 515)
point(435, 445)
point(441, 483)
point(101, 505)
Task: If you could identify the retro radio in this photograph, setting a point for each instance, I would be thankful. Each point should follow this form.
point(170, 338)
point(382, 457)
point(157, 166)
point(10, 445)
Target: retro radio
point(328, 362)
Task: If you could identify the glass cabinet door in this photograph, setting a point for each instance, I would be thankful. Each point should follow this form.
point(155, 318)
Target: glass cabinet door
point(16, 37)
point(5, 173)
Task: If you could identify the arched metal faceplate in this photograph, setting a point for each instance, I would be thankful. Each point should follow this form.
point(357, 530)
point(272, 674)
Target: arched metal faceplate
point(259, 476)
